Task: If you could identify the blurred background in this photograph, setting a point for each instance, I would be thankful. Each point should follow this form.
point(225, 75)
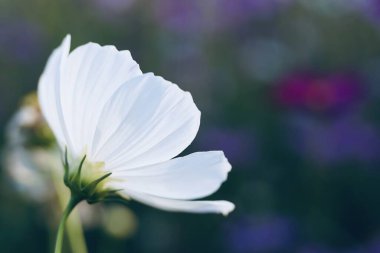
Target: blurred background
point(289, 89)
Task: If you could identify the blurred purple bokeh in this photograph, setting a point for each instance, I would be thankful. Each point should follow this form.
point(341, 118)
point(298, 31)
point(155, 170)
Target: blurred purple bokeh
point(269, 234)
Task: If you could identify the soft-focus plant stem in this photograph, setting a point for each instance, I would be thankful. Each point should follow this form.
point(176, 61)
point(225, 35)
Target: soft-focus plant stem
point(61, 229)
point(74, 230)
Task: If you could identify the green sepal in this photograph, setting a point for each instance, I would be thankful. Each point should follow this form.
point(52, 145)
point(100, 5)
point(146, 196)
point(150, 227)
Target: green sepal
point(82, 189)
point(66, 168)
point(77, 175)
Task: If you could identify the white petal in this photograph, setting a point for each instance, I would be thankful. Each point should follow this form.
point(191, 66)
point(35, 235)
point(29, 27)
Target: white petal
point(147, 121)
point(199, 206)
point(193, 176)
point(92, 74)
point(48, 90)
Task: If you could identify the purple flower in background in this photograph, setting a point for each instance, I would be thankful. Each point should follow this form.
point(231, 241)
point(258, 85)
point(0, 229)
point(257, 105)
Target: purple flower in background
point(198, 15)
point(343, 139)
point(239, 145)
point(373, 246)
point(335, 92)
point(260, 234)
point(370, 8)
point(178, 15)
point(316, 249)
point(112, 7)
point(239, 11)
point(19, 40)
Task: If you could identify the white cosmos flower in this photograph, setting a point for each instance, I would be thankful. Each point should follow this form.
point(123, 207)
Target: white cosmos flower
point(99, 104)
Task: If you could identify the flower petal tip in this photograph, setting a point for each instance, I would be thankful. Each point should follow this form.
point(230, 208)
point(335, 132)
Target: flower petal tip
point(227, 164)
point(227, 208)
point(66, 41)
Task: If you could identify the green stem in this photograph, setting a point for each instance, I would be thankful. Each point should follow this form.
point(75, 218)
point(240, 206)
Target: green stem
point(74, 233)
point(70, 206)
point(73, 225)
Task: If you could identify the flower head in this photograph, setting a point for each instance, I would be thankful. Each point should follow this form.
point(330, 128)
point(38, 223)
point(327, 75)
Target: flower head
point(29, 158)
point(121, 129)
